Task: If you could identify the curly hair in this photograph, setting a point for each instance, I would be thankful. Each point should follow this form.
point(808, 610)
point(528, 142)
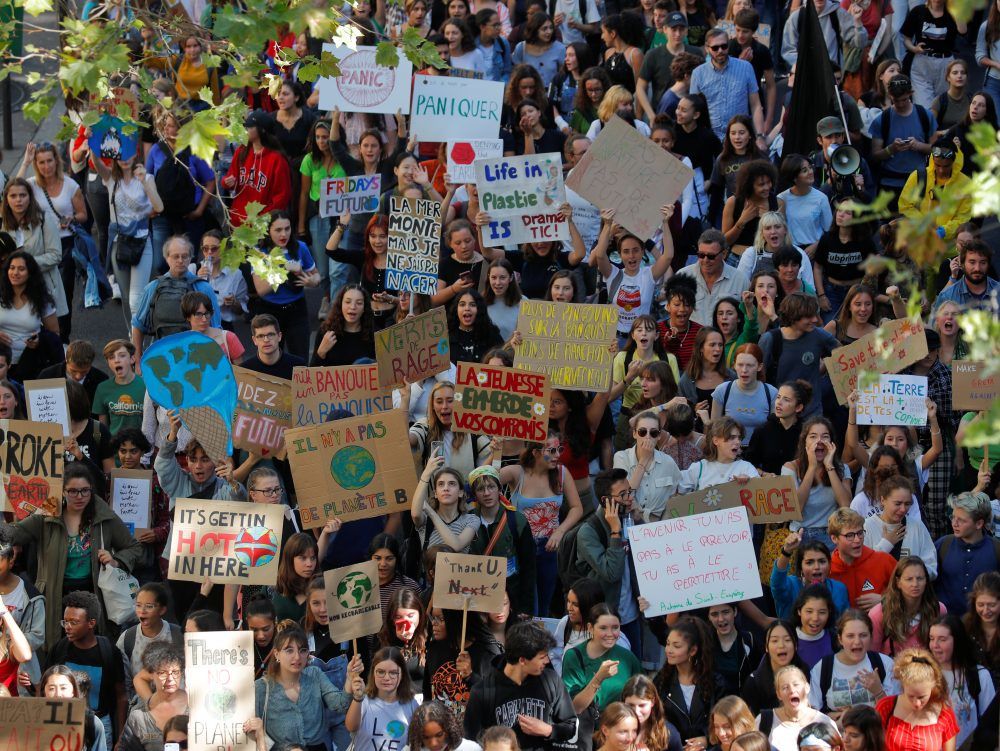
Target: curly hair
point(483, 329)
point(746, 177)
point(698, 636)
point(435, 711)
point(335, 318)
point(34, 288)
point(917, 665)
point(870, 485)
point(896, 618)
point(512, 97)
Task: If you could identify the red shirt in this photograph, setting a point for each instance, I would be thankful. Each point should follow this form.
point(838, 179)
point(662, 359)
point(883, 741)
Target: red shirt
point(902, 736)
point(681, 347)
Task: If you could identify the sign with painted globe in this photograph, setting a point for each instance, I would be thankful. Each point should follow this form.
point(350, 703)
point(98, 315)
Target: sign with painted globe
point(352, 601)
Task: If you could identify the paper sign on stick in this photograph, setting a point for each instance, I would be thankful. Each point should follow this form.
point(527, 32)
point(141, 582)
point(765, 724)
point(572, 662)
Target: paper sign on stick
point(229, 542)
point(893, 400)
point(627, 172)
point(448, 109)
point(358, 194)
point(414, 245)
point(42, 724)
point(896, 345)
point(569, 342)
point(522, 195)
point(971, 388)
point(363, 86)
point(413, 349)
point(31, 460)
point(479, 580)
point(132, 496)
point(218, 674)
point(766, 499)
point(462, 154)
point(47, 402)
point(352, 600)
point(263, 412)
point(501, 402)
point(354, 468)
point(318, 392)
point(695, 561)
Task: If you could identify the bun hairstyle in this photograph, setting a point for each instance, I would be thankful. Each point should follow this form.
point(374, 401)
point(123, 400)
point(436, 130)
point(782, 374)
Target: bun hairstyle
point(917, 665)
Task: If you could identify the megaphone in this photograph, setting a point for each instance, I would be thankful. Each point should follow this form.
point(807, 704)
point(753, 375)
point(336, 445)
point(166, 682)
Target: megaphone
point(845, 160)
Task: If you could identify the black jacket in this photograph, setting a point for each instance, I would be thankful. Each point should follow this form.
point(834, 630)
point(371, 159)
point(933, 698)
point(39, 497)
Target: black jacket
point(758, 690)
point(690, 722)
point(749, 656)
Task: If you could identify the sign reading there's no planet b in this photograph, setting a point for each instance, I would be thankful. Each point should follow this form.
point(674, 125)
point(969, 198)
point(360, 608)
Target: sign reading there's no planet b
point(109, 139)
point(364, 86)
point(353, 602)
point(449, 109)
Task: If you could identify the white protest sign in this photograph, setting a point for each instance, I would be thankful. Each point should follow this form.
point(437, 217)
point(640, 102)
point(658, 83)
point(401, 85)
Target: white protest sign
point(449, 109)
point(131, 497)
point(47, 402)
point(695, 561)
point(522, 195)
point(358, 194)
point(894, 400)
point(461, 155)
point(363, 86)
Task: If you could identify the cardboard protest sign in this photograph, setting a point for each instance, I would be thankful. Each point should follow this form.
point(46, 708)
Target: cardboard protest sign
point(894, 346)
point(353, 600)
point(218, 675)
point(766, 499)
point(971, 387)
point(522, 195)
point(479, 580)
point(462, 154)
point(364, 86)
point(453, 108)
point(501, 402)
point(31, 460)
point(627, 172)
point(349, 195)
point(569, 342)
point(413, 349)
point(354, 468)
point(47, 402)
point(263, 411)
point(42, 724)
point(113, 138)
point(695, 561)
point(893, 400)
point(131, 497)
point(229, 542)
point(414, 245)
point(318, 392)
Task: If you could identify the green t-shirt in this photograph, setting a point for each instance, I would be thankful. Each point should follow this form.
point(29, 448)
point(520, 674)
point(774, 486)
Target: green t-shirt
point(78, 556)
point(121, 404)
point(317, 173)
point(579, 669)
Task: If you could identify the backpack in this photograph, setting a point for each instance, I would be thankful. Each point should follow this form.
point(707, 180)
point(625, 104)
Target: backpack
point(176, 638)
point(826, 674)
point(175, 184)
point(165, 306)
point(568, 562)
point(922, 114)
point(771, 374)
point(766, 722)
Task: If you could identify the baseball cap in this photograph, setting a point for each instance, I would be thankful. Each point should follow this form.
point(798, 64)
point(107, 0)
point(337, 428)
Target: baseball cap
point(676, 19)
point(829, 126)
point(933, 339)
point(260, 120)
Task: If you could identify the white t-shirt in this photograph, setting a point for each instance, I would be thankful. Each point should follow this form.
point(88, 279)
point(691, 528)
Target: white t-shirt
point(384, 726)
point(474, 60)
point(63, 201)
point(845, 687)
point(967, 709)
point(784, 736)
point(864, 506)
point(704, 474)
point(131, 203)
point(633, 295)
point(20, 323)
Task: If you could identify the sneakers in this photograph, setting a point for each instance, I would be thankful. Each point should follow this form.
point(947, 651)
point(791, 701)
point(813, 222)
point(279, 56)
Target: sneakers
point(116, 293)
point(324, 309)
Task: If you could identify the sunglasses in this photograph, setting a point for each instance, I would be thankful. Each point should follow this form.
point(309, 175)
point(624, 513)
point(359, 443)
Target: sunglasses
point(709, 256)
point(717, 47)
point(651, 432)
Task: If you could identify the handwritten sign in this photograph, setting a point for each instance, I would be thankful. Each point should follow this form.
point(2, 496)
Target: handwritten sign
point(263, 412)
point(228, 542)
point(218, 674)
point(450, 108)
point(131, 497)
point(414, 245)
point(358, 194)
point(363, 85)
point(695, 561)
point(354, 468)
point(462, 154)
point(971, 387)
point(47, 402)
point(43, 724)
point(894, 346)
point(626, 172)
point(413, 349)
point(568, 342)
point(893, 400)
point(522, 195)
point(353, 601)
point(479, 580)
point(766, 499)
point(31, 461)
point(318, 392)
point(502, 402)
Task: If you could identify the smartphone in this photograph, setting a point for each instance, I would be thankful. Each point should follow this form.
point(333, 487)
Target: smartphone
point(465, 276)
point(437, 448)
point(171, 746)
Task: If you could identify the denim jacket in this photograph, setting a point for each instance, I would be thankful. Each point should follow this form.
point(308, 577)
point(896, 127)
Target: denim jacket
point(499, 59)
point(300, 722)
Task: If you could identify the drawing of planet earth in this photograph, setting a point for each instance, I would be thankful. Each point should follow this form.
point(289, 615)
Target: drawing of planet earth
point(353, 467)
point(354, 590)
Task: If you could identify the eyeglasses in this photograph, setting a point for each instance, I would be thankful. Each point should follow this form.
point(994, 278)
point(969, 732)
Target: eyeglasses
point(709, 256)
point(718, 47)
point(859, 535)
point(651, 432)
point(387, 674)
point(71, 624)
point(266, 337)
point(164, 674)
point(79, 492)
point(269, 492)
point(147, 607)
point(625, 495)
point(552, 450)
point(202, 314)
point(210, 248)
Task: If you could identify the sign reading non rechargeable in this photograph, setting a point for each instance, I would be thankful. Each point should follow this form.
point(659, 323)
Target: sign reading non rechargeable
point(766, 499)
point(413, 349)
point(462, 154)
point(695, 561)
point(227, 542)
point(353, 601)
point(218, 674)
point(569, 342)
point(894, 346)
point(479, 580)
point(364, 86)
point(626, 172)
point(358, 194)
point(414, 245)
point(354, 468)
point(448, 109)
point(263, 412)
point(501, 402)
point(132, 496)
point(971, 387)
point(319, 392)
point(893, 400)
point(31, 460)
point(47, 402)
point(522, 195)
point(43, 724)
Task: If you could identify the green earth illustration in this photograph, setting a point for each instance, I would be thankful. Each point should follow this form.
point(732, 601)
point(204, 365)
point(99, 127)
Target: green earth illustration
point(353, 467)
point(354, 590)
